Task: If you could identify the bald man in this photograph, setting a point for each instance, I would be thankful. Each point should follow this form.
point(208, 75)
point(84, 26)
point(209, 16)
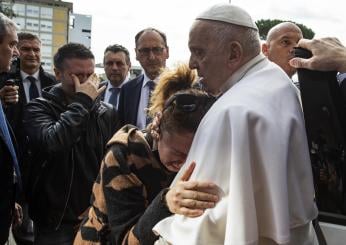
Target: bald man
point(279, 45)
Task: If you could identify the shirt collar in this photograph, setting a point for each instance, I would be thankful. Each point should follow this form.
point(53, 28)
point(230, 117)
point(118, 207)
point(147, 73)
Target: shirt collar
point(110, 85)
point(24, 75)
point(240, 73)
point(146, 79)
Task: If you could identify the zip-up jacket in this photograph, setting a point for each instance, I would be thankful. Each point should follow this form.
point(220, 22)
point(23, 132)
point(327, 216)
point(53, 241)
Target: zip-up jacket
point(67, 143)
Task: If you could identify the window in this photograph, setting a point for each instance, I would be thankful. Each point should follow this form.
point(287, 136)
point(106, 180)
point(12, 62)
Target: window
point(32, 11)
point(46, 26)
point(19, 9)
point(20, 22)
point(46, 63)
point(46, 39)
point(46, 13)
point(32, 24)
point(46, 50)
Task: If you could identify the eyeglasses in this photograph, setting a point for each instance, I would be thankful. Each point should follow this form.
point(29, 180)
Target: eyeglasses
point(188, 102)
point(155, 50)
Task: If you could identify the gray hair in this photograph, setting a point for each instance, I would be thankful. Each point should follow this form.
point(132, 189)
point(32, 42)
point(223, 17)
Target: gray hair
point(247, 37)
point(5, 24)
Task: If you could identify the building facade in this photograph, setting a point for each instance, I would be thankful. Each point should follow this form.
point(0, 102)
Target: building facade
point(48, 19)
point(80, 29)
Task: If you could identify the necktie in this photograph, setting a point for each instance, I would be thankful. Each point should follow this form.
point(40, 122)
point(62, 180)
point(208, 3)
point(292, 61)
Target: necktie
point(8, 142)
point(151, 86)
point(33, 90)
point(113, 99)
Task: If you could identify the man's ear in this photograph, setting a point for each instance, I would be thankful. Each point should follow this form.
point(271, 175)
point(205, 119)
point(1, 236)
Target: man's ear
point(136, 52)
point(265, 49)
point(167, 48)
point(58, 74)
point(236, 52)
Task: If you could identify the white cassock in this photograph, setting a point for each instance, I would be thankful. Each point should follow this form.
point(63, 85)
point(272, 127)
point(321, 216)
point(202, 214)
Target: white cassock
point(252, 143)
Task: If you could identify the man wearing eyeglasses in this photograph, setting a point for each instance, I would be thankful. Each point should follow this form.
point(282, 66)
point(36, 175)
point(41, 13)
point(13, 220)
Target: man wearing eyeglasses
point(151, 52)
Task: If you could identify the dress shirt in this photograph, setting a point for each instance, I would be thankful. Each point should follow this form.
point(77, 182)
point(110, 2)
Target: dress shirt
point(143, 103)
point(26, 83)
point(341, 77)
point(108, 92)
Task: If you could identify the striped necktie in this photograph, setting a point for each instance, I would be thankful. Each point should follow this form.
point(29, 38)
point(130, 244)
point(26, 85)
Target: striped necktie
point(151, 86)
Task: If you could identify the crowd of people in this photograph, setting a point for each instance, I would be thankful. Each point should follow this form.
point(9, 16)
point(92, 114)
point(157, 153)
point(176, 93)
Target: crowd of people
point(213, 152)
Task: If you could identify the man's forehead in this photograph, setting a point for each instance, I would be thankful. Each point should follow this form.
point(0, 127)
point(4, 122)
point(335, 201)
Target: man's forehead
point(79, 63)
point(289, 34)
point(114, 55)
point(199, 31)
point(29, 42)
point(150, 37)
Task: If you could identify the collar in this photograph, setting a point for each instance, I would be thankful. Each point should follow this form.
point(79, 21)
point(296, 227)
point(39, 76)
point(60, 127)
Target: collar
point(110, 85)
point(341, 77)
point(24, 75)
point(241, 72)
point(146, 79)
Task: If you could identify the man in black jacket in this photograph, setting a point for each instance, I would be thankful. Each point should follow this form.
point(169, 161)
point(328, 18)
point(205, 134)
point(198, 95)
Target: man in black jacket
point(68, 130)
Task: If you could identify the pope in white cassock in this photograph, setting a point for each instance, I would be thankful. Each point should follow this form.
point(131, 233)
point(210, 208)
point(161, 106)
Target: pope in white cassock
point(252, 143)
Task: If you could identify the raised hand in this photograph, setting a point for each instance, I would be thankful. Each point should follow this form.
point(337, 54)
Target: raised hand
point(328, 54)
point(90, 87)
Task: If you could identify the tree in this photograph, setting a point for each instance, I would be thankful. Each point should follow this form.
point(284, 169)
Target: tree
point(264, 25)
point(6, 9)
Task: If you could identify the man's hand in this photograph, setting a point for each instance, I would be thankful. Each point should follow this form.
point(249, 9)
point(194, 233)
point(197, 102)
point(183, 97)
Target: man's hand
point(9, 94)
point(90, 87)
point(328, 54)
point(17, 216)
point(192, 198)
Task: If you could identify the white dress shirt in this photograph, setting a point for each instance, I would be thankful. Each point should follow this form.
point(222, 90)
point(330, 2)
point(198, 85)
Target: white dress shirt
point(26, 83)
point(108, 92)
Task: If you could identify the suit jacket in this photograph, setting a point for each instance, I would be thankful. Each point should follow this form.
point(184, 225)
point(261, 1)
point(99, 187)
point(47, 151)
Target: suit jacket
point(130, 95)
point(7, 188)
point(102, 96)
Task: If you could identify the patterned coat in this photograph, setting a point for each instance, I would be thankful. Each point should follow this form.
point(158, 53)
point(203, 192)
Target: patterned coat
point(127, 197)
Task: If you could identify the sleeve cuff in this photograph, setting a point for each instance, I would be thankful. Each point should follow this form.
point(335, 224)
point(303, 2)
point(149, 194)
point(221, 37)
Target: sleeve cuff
point(83, 99)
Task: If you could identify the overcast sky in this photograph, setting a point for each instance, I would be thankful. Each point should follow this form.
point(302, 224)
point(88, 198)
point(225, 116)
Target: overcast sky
point(115, 21)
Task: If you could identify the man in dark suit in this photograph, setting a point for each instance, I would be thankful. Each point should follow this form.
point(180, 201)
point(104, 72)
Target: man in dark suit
point(9, 169)
point(117, 64)
point(151, 52)
point(30, 77)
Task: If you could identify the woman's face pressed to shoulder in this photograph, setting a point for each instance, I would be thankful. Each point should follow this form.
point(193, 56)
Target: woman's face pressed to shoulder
point(173, 149)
